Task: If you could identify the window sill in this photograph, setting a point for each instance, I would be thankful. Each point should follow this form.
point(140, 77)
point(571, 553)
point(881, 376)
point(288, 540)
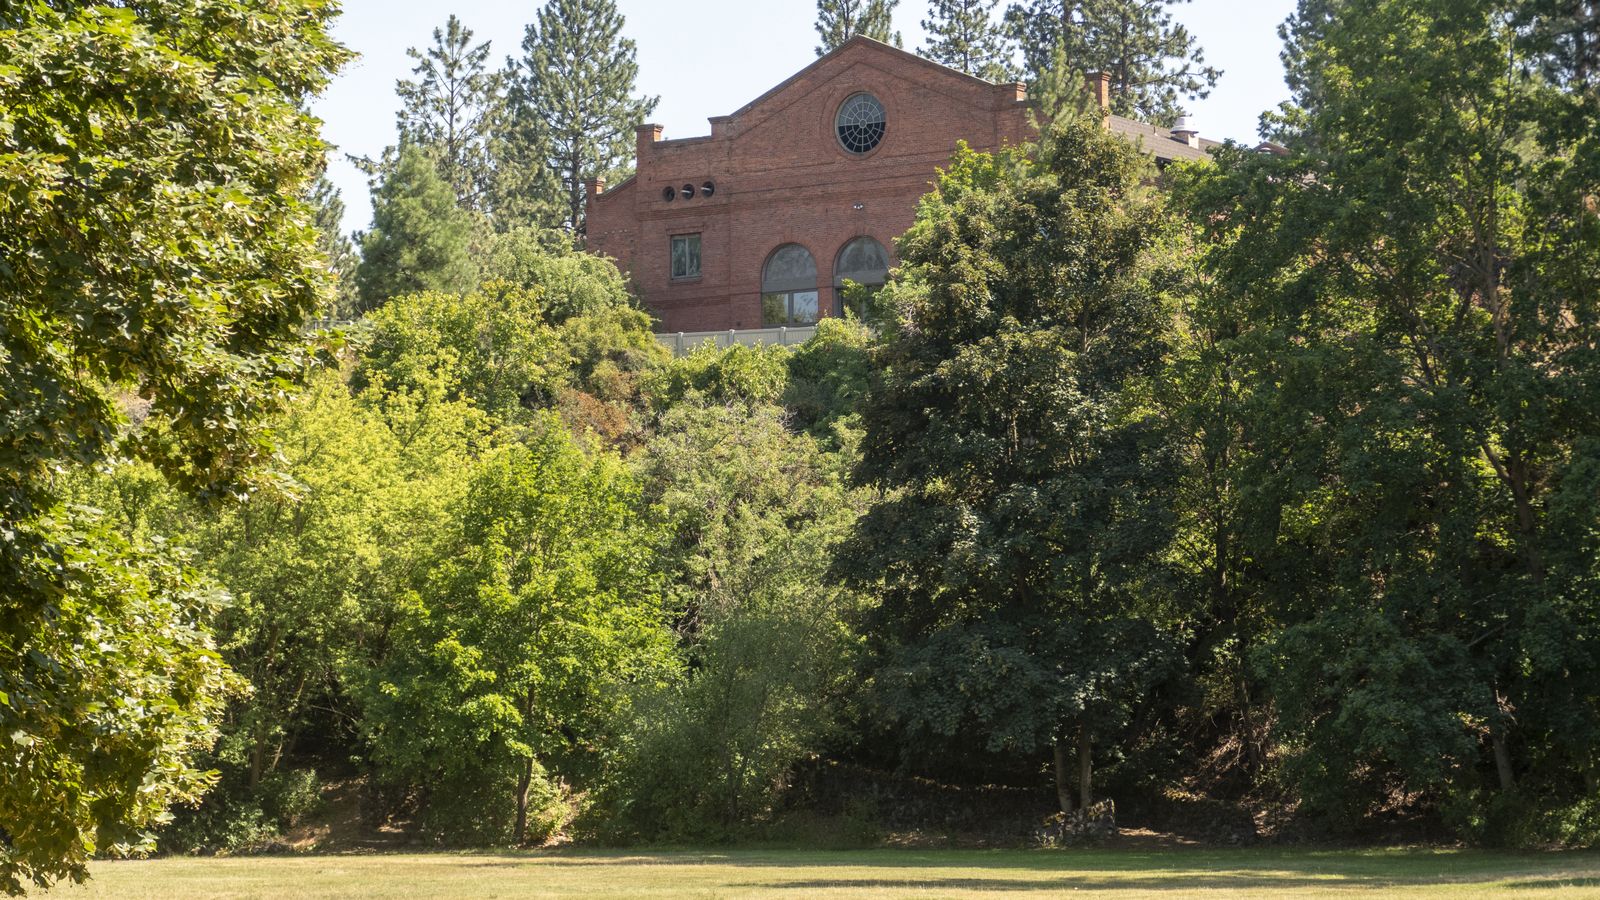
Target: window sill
point(687, 279)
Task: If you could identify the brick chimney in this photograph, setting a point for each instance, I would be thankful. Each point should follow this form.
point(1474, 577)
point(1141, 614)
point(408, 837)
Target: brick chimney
point(646, 135)
point(597, 186)
point(1100, 90)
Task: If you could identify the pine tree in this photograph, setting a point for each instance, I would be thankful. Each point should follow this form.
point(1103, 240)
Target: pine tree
point(419, 239)
point(452, 109)
point(962, 34)
point(572, 98)
point(1153, 61)
point(840, 20)
point(335, 245)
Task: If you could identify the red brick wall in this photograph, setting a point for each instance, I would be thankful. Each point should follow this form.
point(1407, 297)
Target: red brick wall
point(782, 177)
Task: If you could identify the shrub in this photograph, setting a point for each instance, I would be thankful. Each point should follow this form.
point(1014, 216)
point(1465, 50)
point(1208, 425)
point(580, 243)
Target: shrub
point(235, 818)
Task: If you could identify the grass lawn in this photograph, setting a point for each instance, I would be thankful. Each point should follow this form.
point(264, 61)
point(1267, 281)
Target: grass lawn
point(873, 874)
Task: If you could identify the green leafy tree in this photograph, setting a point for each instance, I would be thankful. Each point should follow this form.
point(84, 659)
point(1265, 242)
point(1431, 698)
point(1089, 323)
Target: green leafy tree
point(1225, 538)
point(1414, 283)
point(158, 269)
point(572, 98)
point(840, 20)
point(314, 570)
point(963, 34)
point(109, 706)
point(420, 239)
point(753, 512)
point(570, 338)
point(829, 377)
point(1154, 62)
point(571, 283)
point(301, 563)
point(735, 374)
point(453, 108)
point(1016, 553)
point(488, 349)
point(542, 605)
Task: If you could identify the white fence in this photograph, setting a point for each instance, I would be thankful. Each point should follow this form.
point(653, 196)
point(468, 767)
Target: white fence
point(683, 343)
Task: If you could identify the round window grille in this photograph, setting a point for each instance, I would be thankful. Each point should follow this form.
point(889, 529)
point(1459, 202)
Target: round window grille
point(861, 123)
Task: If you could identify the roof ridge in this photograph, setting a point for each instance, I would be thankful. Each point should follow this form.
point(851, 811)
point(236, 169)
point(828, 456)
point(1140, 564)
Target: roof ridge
point(860, 39)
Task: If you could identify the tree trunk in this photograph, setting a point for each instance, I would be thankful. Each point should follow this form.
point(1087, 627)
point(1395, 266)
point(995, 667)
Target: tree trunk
point(1502, 759)
point(1502, 750)
point(524, 784)
point(525, 778)
point(1085, 767)
point(1063, 778)
point(258, 755)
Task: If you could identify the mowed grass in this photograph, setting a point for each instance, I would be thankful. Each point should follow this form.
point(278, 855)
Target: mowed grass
point(875, 874)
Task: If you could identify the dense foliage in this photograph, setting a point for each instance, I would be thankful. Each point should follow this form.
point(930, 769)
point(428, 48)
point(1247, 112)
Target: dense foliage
point(1016, 565)
point(1412, 291)
point(159, 263)
point(1268, 482)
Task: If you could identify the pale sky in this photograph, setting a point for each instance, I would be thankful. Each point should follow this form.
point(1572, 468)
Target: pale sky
point(710, 57)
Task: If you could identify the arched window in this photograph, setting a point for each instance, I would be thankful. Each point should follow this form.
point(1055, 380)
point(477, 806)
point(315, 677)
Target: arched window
point(789, 287)
point(865, 262)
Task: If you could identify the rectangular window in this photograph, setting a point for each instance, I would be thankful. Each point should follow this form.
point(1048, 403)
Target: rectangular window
point(686, 256)
point(774, 310)
point(789, 308)
point(803, 308)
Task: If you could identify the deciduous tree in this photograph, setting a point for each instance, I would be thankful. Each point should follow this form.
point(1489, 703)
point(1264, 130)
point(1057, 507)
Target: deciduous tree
point(544, 602)
point(1015, 552)
point(753, 513)
point(160, 264)
point(1416, 285)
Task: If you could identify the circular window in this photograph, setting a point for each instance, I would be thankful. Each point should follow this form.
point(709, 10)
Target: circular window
point(861, 123)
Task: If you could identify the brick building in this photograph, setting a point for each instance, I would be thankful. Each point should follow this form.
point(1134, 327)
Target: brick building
point(756, 225)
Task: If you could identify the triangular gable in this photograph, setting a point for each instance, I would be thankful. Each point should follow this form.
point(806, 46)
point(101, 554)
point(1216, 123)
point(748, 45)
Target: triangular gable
point(865, 48)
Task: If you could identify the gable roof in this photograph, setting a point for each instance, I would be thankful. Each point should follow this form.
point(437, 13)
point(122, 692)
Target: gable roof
point(849, 46)
point(1153, 139)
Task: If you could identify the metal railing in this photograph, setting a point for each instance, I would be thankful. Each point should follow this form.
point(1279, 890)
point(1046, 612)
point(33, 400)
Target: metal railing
point(682, 343)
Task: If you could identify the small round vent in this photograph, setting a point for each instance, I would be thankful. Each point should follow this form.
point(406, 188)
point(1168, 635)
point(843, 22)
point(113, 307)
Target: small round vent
point(708, 189)
point(688, 192)
point(669, 194)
